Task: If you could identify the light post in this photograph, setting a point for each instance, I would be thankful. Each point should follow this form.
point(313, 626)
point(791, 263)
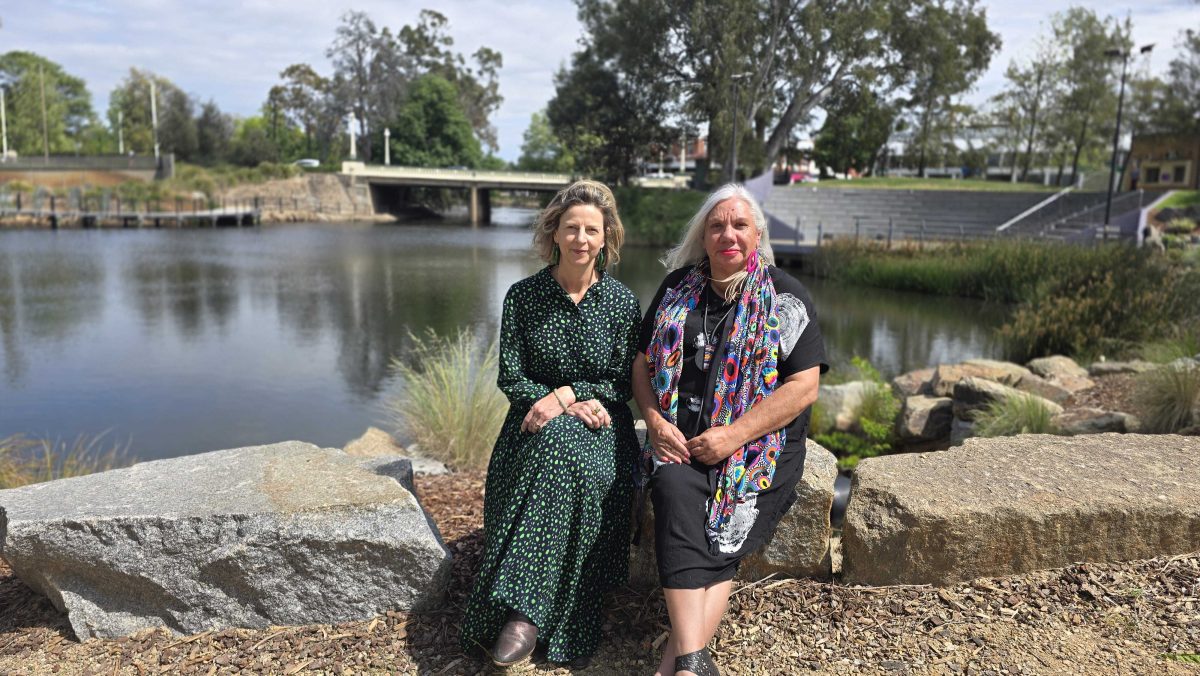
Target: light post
point(387, 146)
point(736, 78)
point(154, 117)
point(353, 142)
point(1124, 56)
point(3, 126)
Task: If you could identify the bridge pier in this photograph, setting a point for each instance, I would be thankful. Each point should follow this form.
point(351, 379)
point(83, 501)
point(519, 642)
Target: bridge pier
point(479, 206)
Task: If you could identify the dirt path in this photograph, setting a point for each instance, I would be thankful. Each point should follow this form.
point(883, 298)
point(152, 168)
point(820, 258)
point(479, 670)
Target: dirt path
point(1091, 619)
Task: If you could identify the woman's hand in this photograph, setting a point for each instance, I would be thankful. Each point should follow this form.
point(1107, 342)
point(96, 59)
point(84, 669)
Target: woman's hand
point(591, 412)
point(713, 445)
point(543, 411)
point(667, 441)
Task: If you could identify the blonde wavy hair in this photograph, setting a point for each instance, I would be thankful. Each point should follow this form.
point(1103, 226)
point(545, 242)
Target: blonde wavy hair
point(690, 249)
point(593, 193)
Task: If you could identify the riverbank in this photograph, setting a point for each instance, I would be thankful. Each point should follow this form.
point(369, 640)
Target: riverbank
point(1087, 618)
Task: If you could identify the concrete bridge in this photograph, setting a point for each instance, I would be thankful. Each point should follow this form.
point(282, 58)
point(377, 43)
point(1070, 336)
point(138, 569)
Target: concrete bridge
point(382, 182)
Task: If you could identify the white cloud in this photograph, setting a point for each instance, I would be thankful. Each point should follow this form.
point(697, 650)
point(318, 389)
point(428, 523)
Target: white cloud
point(233, 50)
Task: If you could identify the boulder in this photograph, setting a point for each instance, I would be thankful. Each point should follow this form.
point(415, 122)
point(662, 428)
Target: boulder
point(1057, 367)
point(1035, 384)
point(914, 382)
point(925, 418)
point(946, 376)
point(282, 534)
point(376, 443)
point(1094, 421)
point(1074, 384)
point(800, 546)
point(960, 431)
point(975, 394)
point(1009, 505)
point(1107, 368)
point(843, 402)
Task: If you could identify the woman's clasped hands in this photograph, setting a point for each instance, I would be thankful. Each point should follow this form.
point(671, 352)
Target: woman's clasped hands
point(591, 412)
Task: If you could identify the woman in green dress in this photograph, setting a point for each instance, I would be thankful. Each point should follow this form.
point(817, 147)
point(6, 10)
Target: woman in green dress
point(556, 511)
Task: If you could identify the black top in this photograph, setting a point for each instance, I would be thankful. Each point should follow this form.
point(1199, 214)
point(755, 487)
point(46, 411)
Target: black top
point(801, 346)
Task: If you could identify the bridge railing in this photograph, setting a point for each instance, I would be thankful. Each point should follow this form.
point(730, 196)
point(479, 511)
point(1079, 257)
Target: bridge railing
point(447, 173)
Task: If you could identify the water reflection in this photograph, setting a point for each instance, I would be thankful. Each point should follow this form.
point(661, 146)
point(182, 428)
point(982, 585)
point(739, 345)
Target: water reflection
point(193, 340)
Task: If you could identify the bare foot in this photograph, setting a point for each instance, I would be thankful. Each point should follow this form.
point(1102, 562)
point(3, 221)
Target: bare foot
point(667, 666)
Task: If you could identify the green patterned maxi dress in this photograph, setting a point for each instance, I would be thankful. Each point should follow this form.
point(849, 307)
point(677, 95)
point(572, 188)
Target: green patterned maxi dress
point(556, 511)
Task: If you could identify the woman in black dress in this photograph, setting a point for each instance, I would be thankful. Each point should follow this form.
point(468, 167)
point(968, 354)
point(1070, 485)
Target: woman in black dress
point(556, 507)
point(729, 362)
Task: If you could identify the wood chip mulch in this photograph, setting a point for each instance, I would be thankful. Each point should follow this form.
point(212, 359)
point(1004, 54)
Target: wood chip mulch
point(1115, 392)
point(1138, 617)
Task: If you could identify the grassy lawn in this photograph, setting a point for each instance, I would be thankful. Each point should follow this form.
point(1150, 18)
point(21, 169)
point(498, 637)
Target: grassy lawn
point(1181, 198)
point(891, 183)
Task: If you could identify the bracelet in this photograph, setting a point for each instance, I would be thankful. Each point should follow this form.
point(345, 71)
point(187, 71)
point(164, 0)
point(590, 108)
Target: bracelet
point(560, 401)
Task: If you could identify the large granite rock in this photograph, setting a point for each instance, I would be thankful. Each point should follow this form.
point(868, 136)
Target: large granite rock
point(1057, 367)
point(914, 382)
point(1087, 420)
point(800, 546)
point(250, 537)
point(1008, 505)
point(375, 443)
point(1035, 384)
point(1106, 368)
point(947, 376)
point(925, 418)
point(843, 402)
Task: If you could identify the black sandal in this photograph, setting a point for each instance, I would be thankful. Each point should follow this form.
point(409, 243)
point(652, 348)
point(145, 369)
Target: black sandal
point(698, 662)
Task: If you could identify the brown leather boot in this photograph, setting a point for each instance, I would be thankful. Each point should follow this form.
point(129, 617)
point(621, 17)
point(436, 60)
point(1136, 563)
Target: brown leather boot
point(517, 640)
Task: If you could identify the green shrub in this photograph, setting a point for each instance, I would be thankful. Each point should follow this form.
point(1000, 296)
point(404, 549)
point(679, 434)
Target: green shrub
point(874, 432)
point(1167, 398)
point(1182, 341)
point(449, 403)
point(1018, 414)
point(1180, 226)
point(25, 461)
point(654, 216)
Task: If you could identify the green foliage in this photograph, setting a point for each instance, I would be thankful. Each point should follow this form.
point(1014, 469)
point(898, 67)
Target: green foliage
point(654, 217)
point(1181, 341)
point(449, 403)
point(431, 130)
point(1180, 199)
point(874, 432)
point(25, 461)
point(1080, 301)
point(541, 149)
point(856, 126)
point(1191, 658)
point(1180, 226)
point(213, 180)
point(68, 105)
point(1168, 397)
point(1018, 414)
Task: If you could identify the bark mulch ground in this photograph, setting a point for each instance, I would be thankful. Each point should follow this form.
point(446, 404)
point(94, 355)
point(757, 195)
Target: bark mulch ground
point(1133, 618)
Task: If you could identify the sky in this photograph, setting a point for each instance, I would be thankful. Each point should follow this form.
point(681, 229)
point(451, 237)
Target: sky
point(231, 51)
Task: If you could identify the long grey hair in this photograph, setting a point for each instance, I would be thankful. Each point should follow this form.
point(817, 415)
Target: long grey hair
point(690, 249)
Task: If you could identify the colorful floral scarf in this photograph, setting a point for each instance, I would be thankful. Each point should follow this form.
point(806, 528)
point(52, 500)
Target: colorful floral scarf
point(749, 372)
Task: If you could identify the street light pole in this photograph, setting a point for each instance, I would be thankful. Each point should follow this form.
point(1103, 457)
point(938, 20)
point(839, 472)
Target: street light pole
point(1124, 56)
point(3, 125)
point(387, 146)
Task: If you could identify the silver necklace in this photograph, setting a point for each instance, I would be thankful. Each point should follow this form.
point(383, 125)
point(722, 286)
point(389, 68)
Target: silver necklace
point(705, 342)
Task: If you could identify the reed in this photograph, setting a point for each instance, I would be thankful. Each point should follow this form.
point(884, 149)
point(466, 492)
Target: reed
point(25, 461)
point(1168, 398)
point(1018, 414)
point(448, 402)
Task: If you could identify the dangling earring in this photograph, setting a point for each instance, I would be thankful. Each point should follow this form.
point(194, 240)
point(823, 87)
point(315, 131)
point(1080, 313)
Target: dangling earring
point(554, 256)
point(601, 260)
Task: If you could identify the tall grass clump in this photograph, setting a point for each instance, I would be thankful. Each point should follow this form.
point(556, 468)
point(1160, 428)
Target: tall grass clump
point(449, 403)
point(1182, 341)
point(25, 461)
point(875, 424)
point(1168, 398)
point(1018, 414)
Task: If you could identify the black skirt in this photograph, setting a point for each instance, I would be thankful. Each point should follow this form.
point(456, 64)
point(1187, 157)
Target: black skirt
point(680, 495)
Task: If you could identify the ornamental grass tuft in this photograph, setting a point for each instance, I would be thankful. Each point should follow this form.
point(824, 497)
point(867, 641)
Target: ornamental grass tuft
point(1168, 398)
point(1018, 414)
point(25, 461)
point(448, 401)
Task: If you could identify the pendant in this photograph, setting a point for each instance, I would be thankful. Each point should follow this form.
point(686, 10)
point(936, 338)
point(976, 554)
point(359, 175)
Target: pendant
point(700, 342)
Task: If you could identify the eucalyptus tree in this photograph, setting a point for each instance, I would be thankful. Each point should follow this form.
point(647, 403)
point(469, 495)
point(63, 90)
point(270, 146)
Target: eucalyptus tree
point(1031, 85)
point(129, 109)
point(857, 125)
point(780, 59)
point(48, 110)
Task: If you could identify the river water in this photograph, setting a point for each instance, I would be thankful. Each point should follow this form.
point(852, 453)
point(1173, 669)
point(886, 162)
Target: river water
point(182, 341)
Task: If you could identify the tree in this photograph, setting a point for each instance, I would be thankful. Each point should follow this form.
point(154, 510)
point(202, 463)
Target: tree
point(252, 144)
point(787, 55)
point(353, 53)
point(301, 97)
point(1030, 89)
point(541, 149)
point(431, 129)
point(946, 47)
point(1087, 100)
point(1172, 106)
point(129, 109)
point(600, 119)
point(68, 105)
point(856, 126)
point(214, 133)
